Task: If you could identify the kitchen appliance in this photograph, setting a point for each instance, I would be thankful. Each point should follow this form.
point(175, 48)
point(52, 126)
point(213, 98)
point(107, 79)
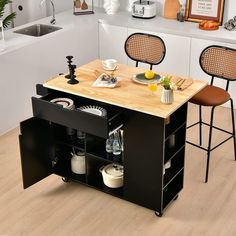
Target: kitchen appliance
point(144, 9)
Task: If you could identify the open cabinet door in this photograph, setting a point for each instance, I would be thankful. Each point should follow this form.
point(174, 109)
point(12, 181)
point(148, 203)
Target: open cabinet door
point(36, 148)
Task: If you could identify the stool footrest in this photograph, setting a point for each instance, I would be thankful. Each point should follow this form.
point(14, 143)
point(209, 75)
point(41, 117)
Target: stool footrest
point(215, 127)
point(205, 149)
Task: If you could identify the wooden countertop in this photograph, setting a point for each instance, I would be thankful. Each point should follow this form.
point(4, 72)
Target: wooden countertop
point(129, 94)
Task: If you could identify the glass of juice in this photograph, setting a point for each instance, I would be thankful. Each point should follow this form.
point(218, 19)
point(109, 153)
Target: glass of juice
point(152, 87)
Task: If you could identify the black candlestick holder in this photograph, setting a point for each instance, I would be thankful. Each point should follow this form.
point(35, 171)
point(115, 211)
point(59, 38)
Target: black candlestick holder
point(69, 61)
point(72, 76)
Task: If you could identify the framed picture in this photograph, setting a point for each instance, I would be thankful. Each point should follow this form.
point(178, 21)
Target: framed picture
point(198, 10)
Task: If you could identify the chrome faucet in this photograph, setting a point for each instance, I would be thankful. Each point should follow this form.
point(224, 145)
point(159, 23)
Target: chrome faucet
point(53, 20)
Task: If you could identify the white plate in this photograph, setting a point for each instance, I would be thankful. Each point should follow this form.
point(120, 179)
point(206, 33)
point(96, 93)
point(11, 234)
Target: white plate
point(96, 110)
point(65, 102)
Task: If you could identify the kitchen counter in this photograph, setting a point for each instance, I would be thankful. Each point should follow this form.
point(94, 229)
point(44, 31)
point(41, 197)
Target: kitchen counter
point(68, 21)
point(139, 97)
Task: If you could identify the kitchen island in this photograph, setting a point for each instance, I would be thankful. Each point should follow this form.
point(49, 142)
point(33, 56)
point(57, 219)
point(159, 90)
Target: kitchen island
point(153, 135)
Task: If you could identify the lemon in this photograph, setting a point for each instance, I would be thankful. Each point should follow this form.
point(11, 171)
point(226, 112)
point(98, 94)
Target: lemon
point(149, 74)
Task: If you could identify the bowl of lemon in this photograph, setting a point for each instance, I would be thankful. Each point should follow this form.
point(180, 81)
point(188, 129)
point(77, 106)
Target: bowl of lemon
point(147, 77)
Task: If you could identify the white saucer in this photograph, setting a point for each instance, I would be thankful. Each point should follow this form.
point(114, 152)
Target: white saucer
point(110, 69)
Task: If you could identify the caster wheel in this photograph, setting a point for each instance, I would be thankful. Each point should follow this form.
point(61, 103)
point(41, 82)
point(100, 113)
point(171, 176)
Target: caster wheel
point(176, 197)
point(64, 179)
point(158, 214)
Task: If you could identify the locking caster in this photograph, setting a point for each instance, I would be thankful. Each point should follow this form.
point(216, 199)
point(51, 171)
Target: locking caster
point(64, 179)
point(158, 214)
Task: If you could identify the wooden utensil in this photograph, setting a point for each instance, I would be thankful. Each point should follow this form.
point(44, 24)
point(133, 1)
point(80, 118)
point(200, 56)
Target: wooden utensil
point(77, 4)
point(84, 5)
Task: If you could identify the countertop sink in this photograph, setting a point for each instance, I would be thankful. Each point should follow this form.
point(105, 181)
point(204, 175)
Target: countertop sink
point(37, 30)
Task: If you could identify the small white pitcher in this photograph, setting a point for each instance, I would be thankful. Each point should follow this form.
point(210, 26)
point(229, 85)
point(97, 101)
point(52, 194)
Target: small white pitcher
point(78, 163)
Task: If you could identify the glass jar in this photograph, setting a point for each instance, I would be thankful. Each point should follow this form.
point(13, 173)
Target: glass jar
point(117, 148)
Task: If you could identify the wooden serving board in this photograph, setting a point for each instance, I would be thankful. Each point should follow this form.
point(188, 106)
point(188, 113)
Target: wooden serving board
point(129, 94)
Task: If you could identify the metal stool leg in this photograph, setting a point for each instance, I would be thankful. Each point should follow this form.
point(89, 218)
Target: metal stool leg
point(233, 126)
point(209, 144)
point(200, 125)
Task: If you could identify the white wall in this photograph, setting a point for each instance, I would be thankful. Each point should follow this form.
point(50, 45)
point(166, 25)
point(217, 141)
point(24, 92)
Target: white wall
point(32, 10)
point(230, 9)
point(60, 5)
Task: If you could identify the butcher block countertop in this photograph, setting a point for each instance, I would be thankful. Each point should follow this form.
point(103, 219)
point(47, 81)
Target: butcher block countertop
point(128, 94)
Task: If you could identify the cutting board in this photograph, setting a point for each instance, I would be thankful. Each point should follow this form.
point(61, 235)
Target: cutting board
point(171, 7)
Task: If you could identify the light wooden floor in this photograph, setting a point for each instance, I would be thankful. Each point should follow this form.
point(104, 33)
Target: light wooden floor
point(52, 207)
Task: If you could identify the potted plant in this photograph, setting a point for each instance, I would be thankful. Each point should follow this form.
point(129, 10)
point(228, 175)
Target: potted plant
point(9, 18)
point(167, 95)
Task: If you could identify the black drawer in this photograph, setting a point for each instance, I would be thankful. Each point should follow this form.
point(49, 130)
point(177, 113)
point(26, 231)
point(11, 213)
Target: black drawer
point(76, 119)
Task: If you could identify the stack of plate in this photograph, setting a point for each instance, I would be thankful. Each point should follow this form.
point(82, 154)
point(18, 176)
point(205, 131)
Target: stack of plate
point(65, 102)
point(96, 110)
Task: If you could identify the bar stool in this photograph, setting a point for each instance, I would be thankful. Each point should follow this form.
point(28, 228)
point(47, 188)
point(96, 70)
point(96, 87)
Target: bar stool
point(146, 48)
point(218, 62)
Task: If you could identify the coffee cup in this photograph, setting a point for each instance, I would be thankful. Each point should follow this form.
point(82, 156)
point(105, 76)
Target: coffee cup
point(109, 64)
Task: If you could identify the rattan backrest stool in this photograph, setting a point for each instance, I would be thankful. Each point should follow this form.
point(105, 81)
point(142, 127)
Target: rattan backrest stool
point(218, 62)
point(146, 48)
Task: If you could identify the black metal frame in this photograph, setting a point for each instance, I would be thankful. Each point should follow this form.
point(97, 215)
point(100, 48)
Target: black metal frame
point(200, 122)
point(149, 35)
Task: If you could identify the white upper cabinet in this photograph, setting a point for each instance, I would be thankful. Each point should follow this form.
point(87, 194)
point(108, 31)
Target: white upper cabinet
point(111, 42)
point(177, 56)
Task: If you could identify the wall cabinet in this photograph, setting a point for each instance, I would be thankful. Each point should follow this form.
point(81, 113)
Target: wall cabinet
point(152, 157)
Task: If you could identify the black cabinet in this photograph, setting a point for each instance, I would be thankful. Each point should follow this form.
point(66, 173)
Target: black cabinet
point(153, 148)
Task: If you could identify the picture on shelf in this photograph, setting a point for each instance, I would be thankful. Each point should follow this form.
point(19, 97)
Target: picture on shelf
point(198, 10)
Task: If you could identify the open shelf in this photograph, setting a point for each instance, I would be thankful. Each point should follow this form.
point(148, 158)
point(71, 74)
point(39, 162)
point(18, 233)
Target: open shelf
point(173, 188)
point(177, 119)
point(177, 164)
point(175, 142)
point(98, 184)
point(96, 147)
point(94, 177)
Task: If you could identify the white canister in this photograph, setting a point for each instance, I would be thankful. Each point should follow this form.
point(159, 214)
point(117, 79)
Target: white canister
point(78, 163)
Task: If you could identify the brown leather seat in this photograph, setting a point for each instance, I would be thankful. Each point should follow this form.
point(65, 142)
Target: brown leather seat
point(211, 96)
